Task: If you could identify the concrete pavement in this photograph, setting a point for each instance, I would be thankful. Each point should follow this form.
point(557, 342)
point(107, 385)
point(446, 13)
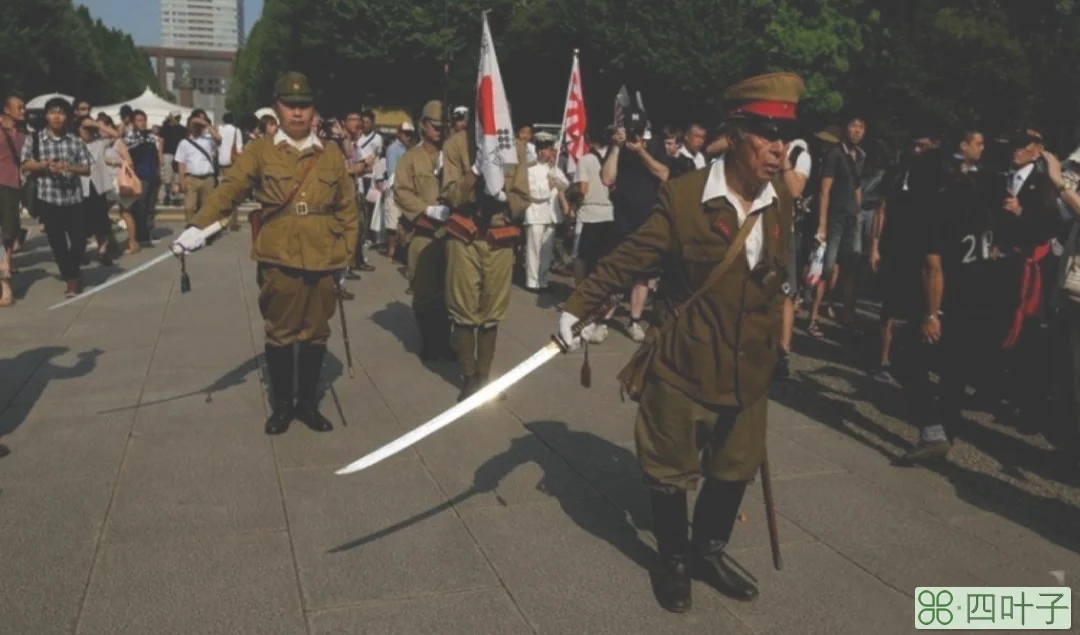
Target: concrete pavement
point(141, 496)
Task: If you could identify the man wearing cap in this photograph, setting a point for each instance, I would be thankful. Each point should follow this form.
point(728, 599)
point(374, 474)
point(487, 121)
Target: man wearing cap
point(461, 117)
point(480, 255)
point(547, 187)
point(416, 194)
point(702, 410)
point(304, 235)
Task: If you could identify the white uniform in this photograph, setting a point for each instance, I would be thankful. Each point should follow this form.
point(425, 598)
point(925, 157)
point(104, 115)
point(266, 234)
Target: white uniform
point(541, 220)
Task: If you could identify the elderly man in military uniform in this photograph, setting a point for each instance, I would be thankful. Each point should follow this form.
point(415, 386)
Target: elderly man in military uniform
point(702, 410)
point(480, 244)
point(306, 235)
point(416, 192)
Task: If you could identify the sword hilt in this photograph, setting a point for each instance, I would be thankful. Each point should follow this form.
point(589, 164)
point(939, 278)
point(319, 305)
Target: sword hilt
point(589, 319)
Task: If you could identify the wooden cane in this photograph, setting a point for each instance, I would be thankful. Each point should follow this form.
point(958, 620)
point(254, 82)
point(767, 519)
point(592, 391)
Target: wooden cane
point(770, 513)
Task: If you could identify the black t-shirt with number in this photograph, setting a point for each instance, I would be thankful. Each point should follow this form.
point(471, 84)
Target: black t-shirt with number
point(960, 229)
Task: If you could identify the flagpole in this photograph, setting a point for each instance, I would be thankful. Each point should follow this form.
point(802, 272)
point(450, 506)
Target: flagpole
point(566, 104)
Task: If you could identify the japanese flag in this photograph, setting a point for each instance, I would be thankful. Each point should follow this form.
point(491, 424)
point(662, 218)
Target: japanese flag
point(494, 131)
point(574, 121)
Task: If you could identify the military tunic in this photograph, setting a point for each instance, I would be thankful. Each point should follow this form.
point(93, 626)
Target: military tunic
point(708, 385)
point(298, 248)
point(416, 187)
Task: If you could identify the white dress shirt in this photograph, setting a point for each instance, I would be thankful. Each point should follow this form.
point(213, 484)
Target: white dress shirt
point(194, 161)
point(544, 208)
point(716, 186)
point(1019, 177)
point(698, 159)
point(230, 138)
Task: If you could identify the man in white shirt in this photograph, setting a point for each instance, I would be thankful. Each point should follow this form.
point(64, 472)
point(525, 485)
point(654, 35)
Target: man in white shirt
point(547, 187)
point(367, 147)
point(596, 231)
point(195, 159)
point(231, 145)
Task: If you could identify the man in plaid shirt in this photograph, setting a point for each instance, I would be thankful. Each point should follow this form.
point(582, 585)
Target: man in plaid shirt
point(57, 159)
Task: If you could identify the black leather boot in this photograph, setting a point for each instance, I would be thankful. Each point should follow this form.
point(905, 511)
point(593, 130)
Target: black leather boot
point(280, 365)
point(671, 580)
point(310, 361)
point(714, 517)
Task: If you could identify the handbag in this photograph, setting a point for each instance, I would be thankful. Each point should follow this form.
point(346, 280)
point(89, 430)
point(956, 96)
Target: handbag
point(633, 376)
point(127, 184)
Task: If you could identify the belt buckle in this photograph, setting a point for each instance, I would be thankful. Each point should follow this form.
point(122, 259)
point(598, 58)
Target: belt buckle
point(301, 208)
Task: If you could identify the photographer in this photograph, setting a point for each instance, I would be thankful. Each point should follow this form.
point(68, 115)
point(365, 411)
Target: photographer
point(637, 173)
point(197, 168)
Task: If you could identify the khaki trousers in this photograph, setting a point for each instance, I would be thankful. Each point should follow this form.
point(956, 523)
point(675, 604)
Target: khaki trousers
point(296, 305)
point(198, 190)
point(477, 282)
point(679, 440)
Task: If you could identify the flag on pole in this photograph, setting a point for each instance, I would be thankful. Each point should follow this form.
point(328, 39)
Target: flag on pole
point(574, 121)
point(494, 131)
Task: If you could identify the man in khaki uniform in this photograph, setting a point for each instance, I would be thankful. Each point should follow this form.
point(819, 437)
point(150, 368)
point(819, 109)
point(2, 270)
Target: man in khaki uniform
point(306, 235)
point(703, 409)
point(480, 255)
point(416, 193)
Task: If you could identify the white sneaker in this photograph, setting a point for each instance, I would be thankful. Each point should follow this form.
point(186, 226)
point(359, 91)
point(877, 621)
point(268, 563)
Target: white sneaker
point(599, 334)
point(636, 332)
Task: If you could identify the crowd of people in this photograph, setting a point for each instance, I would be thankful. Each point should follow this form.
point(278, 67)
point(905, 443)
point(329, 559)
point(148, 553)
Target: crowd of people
point(962, 253)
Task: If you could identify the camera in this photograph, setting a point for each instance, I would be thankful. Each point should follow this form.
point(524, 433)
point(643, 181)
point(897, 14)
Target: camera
point(634, 122)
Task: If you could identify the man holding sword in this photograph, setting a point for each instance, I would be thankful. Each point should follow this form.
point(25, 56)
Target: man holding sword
point(304, 234)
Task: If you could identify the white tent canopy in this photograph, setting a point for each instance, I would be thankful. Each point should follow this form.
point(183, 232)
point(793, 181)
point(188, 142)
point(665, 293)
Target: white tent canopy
point(38, 103)
point(156, 108)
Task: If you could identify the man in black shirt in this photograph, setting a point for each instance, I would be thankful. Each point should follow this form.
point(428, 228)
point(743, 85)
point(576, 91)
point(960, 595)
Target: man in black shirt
point(962, 308)
point(172, 133)
point(894, 254)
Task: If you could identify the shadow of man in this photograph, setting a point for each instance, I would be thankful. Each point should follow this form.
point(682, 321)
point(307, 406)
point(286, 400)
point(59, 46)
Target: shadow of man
point(605, 459)
point(38, 369)
point(399, 320)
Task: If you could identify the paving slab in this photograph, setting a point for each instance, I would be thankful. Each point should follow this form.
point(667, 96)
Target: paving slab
point(819, 592)
point(211, 585)
point(184, 485)
point(384, 533)
point(48, 536)
point(898, 543)
point(577, 567)
point(487, 611)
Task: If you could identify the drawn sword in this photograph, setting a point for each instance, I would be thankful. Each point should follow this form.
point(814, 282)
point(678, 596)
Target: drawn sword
point(173, 252)
point(482, 396)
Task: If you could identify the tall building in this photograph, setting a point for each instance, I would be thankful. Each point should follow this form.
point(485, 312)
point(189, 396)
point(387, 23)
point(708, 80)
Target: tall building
point(209, 25)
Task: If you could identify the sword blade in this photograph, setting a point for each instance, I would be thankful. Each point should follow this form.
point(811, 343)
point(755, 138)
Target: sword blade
point(117, 280)
point(487, 393)
point(207, 232)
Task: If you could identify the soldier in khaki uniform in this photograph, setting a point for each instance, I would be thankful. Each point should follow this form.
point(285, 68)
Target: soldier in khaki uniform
point(416, 192)
point(480, 255)
point(306, 235)
point(703, 409)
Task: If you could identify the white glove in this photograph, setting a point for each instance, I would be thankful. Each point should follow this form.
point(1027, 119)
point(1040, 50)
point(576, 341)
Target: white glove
point(438, 212)
point(190, 240)
point(566, 322)
point(500, 196)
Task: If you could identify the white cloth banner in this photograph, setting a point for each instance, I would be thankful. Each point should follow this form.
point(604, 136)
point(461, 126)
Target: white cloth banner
point(494, 131)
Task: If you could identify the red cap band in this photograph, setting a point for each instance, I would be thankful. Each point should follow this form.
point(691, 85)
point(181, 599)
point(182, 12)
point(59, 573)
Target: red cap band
point(771, 109)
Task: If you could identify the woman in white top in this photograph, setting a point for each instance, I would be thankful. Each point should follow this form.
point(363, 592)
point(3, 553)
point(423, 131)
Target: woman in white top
point(99, 190)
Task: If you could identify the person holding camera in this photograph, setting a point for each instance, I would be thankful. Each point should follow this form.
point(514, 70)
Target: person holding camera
point(195, 159)
point(637, 173)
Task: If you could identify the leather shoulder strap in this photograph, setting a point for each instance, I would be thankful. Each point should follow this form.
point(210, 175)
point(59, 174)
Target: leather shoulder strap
point(305, 172)
point(733, 252)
